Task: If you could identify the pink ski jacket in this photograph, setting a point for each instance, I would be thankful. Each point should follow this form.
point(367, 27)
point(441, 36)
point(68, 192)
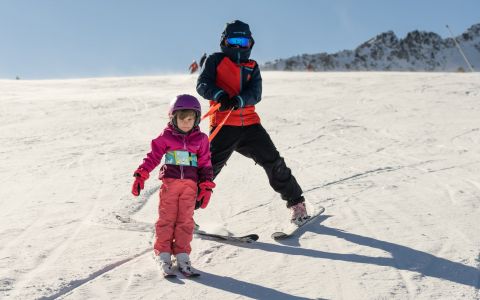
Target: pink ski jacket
point(187, 156)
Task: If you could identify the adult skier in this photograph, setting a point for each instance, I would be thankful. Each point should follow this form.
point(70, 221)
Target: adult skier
point(232, 79)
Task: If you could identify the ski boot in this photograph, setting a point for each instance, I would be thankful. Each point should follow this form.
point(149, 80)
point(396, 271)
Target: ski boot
point(299, 214)
point(164, 260)
point(185, 266)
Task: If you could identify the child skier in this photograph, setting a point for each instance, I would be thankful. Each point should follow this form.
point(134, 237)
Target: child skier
point(187, 172)
point(233, 80)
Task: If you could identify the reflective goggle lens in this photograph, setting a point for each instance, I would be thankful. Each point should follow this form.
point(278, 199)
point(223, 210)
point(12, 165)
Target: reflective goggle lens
point(239, 41)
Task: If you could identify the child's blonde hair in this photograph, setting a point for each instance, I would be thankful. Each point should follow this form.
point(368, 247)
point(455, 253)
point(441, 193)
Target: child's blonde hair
point(185, 113)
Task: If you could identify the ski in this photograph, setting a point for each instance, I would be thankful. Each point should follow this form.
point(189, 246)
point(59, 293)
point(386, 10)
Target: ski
point(169, 276)
point(250, 238)
point(190, 274)
point(280, 235)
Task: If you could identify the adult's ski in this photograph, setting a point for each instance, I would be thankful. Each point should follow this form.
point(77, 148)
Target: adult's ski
point(249, 238)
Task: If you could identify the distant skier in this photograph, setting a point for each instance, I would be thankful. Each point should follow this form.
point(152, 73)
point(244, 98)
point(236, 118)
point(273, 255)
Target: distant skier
point(187, 172)
point(193, 67)
point(233, 80)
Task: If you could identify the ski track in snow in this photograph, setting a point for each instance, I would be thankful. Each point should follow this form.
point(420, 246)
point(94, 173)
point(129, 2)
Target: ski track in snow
point(71, 286)
point(380, 159)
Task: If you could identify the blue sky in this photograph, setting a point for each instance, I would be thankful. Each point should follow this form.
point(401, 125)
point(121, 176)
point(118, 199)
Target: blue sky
point(42, 39)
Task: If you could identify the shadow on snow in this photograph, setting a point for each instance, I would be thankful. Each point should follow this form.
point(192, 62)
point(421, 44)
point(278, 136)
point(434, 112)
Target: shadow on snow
point(243, 288)
point(403, 258)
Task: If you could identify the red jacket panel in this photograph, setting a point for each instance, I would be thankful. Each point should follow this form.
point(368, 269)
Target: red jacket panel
point(222, 75)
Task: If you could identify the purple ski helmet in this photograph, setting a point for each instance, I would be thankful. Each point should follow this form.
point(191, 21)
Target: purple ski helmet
point(182, 102)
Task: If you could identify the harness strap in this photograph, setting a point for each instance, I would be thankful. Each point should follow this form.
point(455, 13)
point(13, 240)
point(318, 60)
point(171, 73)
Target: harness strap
point(214, 133)
point(181, 158)
point(210, 112)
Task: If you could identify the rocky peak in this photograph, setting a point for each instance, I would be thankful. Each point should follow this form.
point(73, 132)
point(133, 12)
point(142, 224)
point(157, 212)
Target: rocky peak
point(388, 39)
point(418, 51)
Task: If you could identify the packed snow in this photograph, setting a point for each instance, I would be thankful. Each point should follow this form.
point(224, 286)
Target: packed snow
point(393, 157)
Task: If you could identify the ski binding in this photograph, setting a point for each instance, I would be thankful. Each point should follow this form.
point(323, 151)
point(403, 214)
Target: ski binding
point(280, 235)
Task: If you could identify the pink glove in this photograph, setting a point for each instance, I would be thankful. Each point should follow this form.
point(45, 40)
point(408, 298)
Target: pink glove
point(204, 193)
point(140, 176)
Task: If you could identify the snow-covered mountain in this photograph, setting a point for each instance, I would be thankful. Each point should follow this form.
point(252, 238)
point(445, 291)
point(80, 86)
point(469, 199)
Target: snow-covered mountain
point(418, 51)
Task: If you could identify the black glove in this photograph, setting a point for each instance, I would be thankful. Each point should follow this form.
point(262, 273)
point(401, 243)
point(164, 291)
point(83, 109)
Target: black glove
point(224, 100)
point(228, 103)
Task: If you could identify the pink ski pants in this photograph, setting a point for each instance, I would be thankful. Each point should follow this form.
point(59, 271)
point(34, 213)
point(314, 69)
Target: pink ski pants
point(174, 228)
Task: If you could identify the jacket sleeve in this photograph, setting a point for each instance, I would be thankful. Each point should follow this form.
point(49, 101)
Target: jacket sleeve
point(206, 86)
point(251, 94)
point(153, 158)
point(205, 170)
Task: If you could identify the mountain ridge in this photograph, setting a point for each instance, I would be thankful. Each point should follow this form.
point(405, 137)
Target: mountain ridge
point(417, 51)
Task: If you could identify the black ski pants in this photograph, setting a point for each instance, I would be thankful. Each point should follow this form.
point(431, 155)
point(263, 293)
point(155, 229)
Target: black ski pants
point(254, 142)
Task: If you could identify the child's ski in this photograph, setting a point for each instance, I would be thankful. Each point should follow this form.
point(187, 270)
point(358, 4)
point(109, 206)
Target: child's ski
point(280, 235)
point(190, 274)
point(169, 276)
point(187, 274)
point(250, 238)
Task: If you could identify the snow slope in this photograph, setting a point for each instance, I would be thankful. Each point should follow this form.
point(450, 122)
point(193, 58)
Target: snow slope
point(394, 158)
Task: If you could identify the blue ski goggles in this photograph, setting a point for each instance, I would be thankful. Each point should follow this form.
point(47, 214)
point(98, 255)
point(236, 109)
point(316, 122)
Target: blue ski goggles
point(238, 41)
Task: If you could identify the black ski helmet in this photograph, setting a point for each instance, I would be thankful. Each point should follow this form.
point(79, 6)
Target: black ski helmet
point(236, 29)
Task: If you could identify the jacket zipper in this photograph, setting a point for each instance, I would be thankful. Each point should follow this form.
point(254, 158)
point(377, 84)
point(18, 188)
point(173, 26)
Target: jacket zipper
point(241, 87)
point(185, 148)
